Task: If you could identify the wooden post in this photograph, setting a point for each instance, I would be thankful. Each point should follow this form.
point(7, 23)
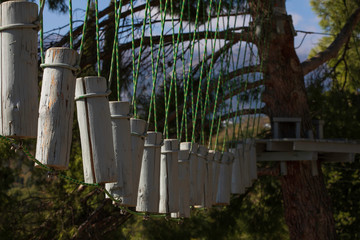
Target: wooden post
point(216, 173)
point(169, 182)
point(138, 134)
point(192, 148)
point(19, 69)
point(237, 184)
point(252, 160)
point(184, 185)
point(56, 109)
point(148, 192)
point(95, 130)
point(120, 122)
point(200, 176)
point(208, 180)
point(223, 194)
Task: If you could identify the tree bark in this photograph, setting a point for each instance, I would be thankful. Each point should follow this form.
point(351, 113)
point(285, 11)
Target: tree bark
point(307, 205)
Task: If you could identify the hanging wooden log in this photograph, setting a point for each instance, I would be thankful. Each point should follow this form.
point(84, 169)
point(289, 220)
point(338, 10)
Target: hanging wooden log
point(169, 182)
point(223, 194)
point(216, 173)
point(184, 185)
point(237, 184)
point(208, 179)
point(246, 164)
point(200, 197)
point(120, 122)
point(56, 108)
point(192, 148)
point(19, 69)
point(252, 155)
point(138, 134)
point(148, 192)
point(95, 130)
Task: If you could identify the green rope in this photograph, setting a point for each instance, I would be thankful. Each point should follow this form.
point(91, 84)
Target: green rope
point(83, 32)
point(41, 16)
point(97, 37)
point(135, 80)
point(154, 76)
point(70, 24)
point(115, 50)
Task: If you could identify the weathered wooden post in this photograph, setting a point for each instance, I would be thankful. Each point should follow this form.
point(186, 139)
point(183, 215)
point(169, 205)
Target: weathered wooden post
point(200, 197)
point(120, 122)
point(237, 184)
point(169, 182)
point(56, 108)
point(192, 148)
point(95, 130)
point(252, 155)
point(148, 192)
point(223, 194)
point(208, 179)
point(216, 172)
point(19, 69)
point(138, 134)
point(246, 165)
point(184, 185)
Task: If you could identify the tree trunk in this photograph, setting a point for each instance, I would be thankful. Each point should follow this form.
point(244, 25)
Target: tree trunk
point(307, 204)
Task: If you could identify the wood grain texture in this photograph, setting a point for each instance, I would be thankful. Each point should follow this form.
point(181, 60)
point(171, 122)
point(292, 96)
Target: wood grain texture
point(138, 130)
point(216, 173)
point(193, 168)
point(223, 194)
point(56, 109)
point(19, 71)
point(200, 176)
point(208, 179)
point(169, 182)
point(148, 192)
point(120, 122)
point(95, 131)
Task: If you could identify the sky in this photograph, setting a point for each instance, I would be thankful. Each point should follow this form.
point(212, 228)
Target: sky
point(303, 18)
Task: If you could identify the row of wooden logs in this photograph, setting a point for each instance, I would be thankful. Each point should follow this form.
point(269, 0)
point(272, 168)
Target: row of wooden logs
point(139, 167)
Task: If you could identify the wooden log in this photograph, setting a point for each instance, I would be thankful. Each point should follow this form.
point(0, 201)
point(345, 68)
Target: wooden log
point(56, 109)
point(95, 130)
point(237, 186)
point(192, 148)
point(252, 156)
point(200, 176)
point(184, 185)
point(148, 192)
point(247, 175)
point(120, 122)
point(208, 179)
point(223, 194)
point(138, 134)
point(19, 70)
point(216, 173)
point(169, 182)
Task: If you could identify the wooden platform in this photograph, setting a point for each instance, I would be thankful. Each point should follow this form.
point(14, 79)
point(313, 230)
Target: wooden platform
point(306, 150)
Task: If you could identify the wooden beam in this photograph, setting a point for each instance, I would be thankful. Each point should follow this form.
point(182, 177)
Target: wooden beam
point(337, 157)
point(321, 146)
point(286, 156)
point(279, 146)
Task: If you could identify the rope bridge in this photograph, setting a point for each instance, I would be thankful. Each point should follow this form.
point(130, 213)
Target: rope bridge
point(194, 70)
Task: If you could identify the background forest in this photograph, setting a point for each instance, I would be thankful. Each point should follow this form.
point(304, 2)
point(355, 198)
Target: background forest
point(36, 205)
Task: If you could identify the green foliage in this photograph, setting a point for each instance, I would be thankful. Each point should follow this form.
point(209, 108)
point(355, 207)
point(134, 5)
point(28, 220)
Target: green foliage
point(345, 68)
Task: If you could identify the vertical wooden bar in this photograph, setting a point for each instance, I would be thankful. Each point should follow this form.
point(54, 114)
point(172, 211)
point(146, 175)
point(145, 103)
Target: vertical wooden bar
point(56, 109)
point(122, 189)
point(200, 176)
point(138, 134)
point(184, 185)
point(148, 192)
point(169, 182)
point(208, 180)
point(223, 194)
point(19, 70)
point(237, 186)
point(192, 148)
point(95, 130)
point(216, 173)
